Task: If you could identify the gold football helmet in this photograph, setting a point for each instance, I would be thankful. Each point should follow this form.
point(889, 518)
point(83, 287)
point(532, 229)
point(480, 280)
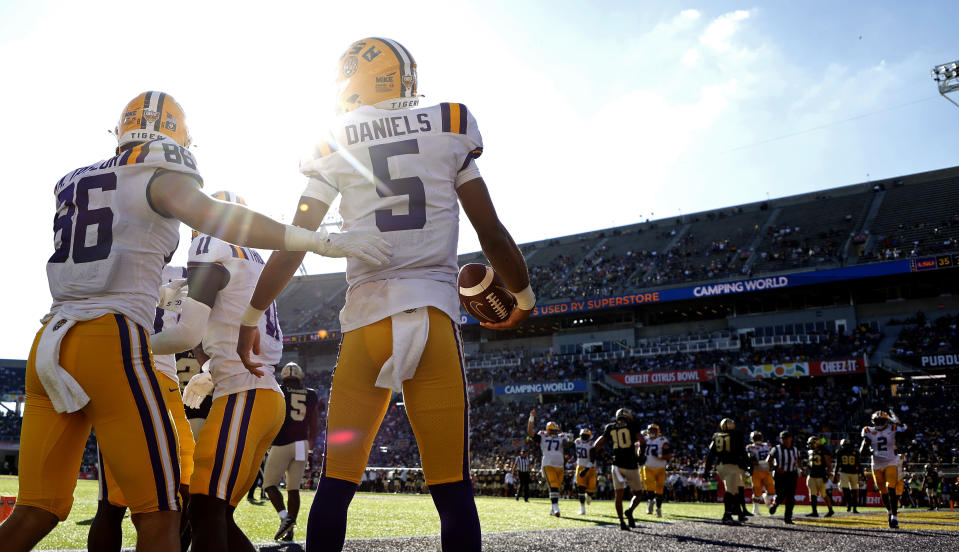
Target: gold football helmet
point(378, 72)
point(222, 195)
point(880, 419)
point(624, 414)
point(585, 434)
point(652, 430)
point(727, 424)
point(152, 115)
point(552, 428)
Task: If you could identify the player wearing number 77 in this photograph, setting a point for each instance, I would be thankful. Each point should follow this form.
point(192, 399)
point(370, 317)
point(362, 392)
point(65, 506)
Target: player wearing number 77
point(116, 225)
point(400, 170)
point(551, 443)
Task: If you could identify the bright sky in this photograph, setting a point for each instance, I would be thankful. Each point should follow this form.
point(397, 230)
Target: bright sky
point(593, 114)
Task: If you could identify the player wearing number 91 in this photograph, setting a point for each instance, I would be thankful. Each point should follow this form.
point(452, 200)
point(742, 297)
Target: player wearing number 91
point(727, 452)
point(291, 447)
point(400, 170)
point(116, 225)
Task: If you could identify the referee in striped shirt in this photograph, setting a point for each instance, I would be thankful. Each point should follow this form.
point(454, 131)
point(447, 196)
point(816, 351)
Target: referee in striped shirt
point(521, 466)
point(785, 459)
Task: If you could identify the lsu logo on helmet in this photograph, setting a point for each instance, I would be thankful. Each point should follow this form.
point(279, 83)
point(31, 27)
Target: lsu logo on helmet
point(552, 428)
point(152, 115)
point(376, 71)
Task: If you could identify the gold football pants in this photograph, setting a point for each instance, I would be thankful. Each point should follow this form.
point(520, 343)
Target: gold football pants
point(110, 358)
point(435, 400)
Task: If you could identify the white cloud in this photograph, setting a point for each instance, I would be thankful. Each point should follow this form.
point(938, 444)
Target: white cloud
point(718, 34)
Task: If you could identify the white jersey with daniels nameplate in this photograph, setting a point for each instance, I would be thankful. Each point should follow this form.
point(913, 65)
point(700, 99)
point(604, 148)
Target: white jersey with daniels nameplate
point(242, 266)
point(398, 172)
point(883, 443)
point(110, 244)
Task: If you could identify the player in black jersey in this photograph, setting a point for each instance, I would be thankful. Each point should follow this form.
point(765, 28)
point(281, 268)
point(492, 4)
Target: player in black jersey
point(624, 434)
point(818, 461)
point(930, 484)
point(727, 451)
point(846, 474)
point(291, 447)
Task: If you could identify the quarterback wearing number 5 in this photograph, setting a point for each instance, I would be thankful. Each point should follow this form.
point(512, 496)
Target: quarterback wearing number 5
point(403, 172)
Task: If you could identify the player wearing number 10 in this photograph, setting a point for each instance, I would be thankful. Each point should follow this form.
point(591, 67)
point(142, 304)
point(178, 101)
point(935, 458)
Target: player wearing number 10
point(400, 170)
point(624, 433)
point(116, 225)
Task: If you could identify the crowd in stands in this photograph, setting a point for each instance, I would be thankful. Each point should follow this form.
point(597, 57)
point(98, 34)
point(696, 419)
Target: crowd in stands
point(923, 336)
point(915, 239)
point(12, 380)
point(832, 345)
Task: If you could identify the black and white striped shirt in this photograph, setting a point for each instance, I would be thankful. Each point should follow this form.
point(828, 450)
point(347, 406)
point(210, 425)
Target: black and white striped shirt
point(785, 459)
point(522, 463)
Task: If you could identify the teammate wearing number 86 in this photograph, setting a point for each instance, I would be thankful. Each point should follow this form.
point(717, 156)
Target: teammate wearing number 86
point(402, 172)
point(116, 225)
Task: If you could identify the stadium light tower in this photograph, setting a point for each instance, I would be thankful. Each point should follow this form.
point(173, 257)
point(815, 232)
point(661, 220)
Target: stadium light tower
point(947, 77)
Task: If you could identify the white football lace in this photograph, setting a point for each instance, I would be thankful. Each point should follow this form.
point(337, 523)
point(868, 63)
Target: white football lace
point(497, 305)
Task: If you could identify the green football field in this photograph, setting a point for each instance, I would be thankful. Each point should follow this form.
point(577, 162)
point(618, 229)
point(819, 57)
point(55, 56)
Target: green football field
point(391, 515)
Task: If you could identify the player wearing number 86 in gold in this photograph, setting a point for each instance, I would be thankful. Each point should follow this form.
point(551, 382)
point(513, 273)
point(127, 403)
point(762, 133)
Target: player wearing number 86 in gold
point(402, 173)
point(116, 224)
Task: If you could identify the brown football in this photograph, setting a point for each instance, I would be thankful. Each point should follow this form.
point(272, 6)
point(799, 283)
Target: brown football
point(483, 294)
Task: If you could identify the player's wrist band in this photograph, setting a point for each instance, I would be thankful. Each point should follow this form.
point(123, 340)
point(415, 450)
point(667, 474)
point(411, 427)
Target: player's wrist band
point(525, 299)
point(252, 316)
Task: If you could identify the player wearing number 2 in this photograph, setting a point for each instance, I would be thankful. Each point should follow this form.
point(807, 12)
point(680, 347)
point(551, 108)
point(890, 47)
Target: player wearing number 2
point(116, 225)
point(291, 448)
point(400, 170)
point(881, 438)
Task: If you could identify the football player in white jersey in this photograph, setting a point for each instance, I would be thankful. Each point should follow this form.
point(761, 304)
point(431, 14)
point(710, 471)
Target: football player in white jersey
point(116, 225)
point(658, 454)
point(247, 411)
point(403, 172)
point(880, 437)
point(758, 452)
point(585, 469)
point(551, 443)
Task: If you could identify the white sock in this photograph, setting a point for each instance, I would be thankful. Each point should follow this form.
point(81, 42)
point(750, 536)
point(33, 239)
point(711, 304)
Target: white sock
point(283, 514)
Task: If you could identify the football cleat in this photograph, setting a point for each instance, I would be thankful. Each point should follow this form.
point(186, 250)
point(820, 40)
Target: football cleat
point(378, 72)
point(582, 510)
point(286, 529)
point(756, 437)
point(623, 526)
point(649, 507)
point(630, 519)
point(150, 116)
point(659, 512)
point(652, 430)
point(727, 424)
point(291, 370)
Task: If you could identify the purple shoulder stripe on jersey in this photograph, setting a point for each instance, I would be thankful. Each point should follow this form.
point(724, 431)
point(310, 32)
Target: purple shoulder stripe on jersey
point(445, 116)
point(462, 126)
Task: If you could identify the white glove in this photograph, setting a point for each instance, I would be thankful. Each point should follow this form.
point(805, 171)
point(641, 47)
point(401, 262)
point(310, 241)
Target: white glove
point(365, 246)
point(197, 389)
point(360, 245)
point(171, 294)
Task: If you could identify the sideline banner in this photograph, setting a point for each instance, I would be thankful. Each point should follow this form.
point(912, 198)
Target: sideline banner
point(476, 388)
point(670, 377)
point(804, 369)
point(537, 388)
point(735, 287)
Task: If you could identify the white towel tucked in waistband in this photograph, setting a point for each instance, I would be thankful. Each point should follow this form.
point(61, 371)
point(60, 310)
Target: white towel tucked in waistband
point(410, 330)
point(299, 451)
point(64, 391)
